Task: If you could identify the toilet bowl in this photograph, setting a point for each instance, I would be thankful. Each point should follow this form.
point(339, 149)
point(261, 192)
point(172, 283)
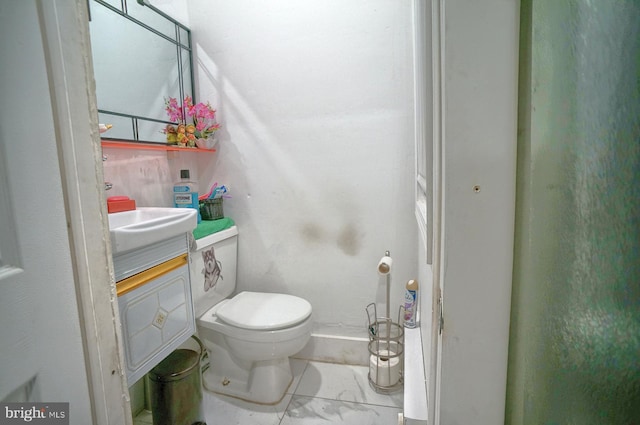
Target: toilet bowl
point(252, 362)
point(249, 337)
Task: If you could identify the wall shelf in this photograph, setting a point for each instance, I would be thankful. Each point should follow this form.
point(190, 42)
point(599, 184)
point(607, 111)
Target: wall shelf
point(124, 144)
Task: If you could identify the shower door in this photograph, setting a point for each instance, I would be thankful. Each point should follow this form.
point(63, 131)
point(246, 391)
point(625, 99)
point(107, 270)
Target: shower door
point(575, 327)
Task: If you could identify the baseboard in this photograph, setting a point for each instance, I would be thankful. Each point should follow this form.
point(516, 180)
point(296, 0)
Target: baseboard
point(336, 349)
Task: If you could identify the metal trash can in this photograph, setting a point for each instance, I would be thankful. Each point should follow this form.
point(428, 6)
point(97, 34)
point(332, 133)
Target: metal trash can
point(176, 388)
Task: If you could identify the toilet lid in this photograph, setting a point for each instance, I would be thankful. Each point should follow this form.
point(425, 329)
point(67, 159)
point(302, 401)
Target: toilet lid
point(264, 311)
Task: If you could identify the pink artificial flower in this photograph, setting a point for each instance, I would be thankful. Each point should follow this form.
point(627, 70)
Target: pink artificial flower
point(202, 115)
point(210, 113)
point(187, 103)
point(173, 110)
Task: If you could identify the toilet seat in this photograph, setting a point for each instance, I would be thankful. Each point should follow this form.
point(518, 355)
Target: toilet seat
point(264, 311)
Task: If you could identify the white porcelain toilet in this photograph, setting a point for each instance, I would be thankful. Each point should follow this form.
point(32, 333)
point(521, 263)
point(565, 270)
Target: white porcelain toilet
point(250, 336)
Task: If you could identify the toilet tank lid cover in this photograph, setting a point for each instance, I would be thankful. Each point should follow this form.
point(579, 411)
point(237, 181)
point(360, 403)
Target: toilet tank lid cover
point(264, 311)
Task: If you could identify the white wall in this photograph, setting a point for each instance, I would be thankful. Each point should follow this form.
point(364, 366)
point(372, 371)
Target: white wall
point(177, 9)
point(147, 176)
point(316, 103)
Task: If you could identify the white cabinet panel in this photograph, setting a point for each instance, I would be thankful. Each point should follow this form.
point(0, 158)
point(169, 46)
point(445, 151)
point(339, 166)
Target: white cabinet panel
point(157, 317)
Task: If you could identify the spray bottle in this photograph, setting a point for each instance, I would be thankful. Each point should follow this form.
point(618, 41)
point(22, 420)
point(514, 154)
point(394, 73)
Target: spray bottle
point(411, 304)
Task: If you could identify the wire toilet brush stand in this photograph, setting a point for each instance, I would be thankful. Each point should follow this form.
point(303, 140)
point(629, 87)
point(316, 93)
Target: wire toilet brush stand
point(386, 346)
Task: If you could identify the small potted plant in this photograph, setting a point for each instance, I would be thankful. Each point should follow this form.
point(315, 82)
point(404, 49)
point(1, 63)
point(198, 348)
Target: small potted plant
point(195, 125)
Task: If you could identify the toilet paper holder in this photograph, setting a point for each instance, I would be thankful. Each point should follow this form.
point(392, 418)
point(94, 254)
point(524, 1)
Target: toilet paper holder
point(386, 340)
point(386, 351)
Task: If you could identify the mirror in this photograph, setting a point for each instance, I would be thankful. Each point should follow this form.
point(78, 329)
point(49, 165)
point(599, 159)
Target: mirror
point(140, 57)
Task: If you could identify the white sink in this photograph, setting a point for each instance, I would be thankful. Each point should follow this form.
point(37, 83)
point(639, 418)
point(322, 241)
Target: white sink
point(145, 226)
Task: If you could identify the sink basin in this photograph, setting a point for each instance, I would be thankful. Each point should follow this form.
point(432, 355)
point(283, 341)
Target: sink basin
point(144, 226)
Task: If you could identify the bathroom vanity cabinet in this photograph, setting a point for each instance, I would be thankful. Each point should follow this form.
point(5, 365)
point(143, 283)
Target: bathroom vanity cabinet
point(154, 298)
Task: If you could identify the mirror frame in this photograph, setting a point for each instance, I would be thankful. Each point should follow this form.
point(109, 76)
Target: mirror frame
point(182, 47)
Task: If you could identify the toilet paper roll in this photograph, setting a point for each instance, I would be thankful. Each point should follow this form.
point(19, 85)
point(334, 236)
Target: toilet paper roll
point(384, 266)
point(384, 371)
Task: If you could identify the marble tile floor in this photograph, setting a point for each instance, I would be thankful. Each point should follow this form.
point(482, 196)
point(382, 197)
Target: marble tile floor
point(321, 393)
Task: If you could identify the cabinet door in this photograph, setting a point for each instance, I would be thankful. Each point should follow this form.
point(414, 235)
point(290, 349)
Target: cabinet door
point(156, 318)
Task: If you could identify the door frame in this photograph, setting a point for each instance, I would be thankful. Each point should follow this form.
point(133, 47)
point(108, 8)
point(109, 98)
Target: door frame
point(475, 93)
point(437, 70)
point(65, 32)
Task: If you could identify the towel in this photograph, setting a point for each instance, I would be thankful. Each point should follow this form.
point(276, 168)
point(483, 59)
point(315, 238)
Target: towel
point(208, 227)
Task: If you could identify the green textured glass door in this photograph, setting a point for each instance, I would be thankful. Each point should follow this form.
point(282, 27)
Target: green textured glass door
point(574, 354)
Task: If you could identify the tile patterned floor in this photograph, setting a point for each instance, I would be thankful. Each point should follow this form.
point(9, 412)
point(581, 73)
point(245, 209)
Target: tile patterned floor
point(321, 393)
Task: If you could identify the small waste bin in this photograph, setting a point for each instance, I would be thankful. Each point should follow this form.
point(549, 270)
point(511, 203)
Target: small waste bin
point(176, 389)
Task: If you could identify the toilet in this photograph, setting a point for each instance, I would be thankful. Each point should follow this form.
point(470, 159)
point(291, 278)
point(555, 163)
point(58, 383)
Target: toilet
point(249, 336)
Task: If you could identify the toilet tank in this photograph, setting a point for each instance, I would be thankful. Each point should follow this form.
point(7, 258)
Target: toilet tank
point(213, 269)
